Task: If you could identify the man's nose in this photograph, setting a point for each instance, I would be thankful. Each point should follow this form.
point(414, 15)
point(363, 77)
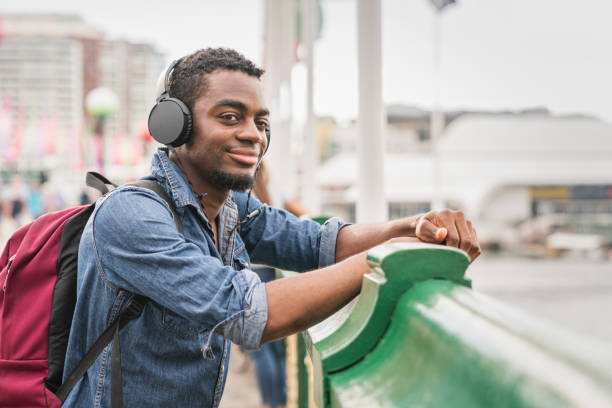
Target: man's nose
point(251, 132)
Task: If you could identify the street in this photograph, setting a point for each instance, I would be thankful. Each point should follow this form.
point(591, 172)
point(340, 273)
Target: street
point(576, 294)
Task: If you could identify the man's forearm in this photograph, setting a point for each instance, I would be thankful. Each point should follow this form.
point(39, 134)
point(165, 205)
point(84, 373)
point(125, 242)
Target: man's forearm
point(298, 302)
point(357, 238)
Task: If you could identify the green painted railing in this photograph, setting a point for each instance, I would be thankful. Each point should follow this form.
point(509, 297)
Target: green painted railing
point(418, 336)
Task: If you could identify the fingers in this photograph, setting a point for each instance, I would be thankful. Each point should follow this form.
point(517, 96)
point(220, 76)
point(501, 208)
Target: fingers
point(449, 227)
point(428, 231)
point(466, 235)
point(447, 217)
point(465, 238)
point(475, 250)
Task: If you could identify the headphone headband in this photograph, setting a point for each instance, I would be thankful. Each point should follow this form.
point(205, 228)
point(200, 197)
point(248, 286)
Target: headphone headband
point(168, 72)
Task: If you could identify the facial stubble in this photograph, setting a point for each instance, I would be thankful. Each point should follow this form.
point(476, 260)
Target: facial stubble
point(228, 181)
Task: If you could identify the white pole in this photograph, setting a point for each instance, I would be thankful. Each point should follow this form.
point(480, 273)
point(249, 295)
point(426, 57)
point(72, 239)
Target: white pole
point(279, 56)
point(436, 120)
point(371, 204)
point(310, 196)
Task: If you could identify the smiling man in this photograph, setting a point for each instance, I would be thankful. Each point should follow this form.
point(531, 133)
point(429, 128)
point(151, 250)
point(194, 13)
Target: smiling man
point(201, 293)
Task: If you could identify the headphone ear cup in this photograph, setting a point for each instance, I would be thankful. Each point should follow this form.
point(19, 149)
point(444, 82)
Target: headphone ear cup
point(170, 122)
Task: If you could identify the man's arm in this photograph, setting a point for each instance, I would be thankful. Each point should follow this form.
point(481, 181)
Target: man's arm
point(298, 302)
point(438, 227)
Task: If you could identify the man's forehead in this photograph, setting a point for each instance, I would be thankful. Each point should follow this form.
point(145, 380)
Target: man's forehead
point(226, 85)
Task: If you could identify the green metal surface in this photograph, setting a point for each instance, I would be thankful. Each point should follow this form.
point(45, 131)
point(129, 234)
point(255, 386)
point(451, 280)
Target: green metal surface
point(418, 337)
point(302, 374)
point(321, 219)
point(341, 341)
point(395, 268)
point(447, 346)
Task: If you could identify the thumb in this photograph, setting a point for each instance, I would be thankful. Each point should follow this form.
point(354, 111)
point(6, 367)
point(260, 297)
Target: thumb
point(429, 232)
point(440, 234)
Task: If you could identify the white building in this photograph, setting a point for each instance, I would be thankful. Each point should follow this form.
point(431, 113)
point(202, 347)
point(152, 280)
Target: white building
point(499, 169)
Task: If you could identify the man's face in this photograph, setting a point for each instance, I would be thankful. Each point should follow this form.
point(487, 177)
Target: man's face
point(229, 122)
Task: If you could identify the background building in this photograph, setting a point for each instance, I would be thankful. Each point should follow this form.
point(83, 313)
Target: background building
point(48, 65)
point(44, 76)
point(131, 71)
point(529, 180)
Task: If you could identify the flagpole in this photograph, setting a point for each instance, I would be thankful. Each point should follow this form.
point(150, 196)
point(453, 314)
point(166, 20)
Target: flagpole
point(437, 118)
point(437, 121)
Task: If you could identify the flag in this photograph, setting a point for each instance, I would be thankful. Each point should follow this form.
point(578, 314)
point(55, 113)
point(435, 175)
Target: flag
point(6, 124)
point(53, 133)
point(440, 4)
point(14, 151)
point(41, 138)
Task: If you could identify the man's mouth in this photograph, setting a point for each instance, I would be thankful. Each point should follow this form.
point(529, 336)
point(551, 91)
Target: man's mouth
point(244, 156)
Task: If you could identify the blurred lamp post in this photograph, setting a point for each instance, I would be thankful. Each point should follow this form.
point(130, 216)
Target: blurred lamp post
point(100, 103)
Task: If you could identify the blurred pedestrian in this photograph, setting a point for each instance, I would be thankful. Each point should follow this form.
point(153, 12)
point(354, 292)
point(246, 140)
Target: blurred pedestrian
point(270, 359)
point(8, 225)
point(35, 198)
point(17, 194)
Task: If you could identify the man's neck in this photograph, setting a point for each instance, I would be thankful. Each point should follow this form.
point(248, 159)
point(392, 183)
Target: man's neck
point(212, 203)
point(213, 198)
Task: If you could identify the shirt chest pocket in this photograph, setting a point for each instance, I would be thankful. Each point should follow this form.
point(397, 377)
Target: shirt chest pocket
point(241, 263)
point(240, 258)
point(180, 326)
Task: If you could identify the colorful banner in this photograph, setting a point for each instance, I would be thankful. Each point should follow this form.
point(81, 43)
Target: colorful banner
point(6, 126)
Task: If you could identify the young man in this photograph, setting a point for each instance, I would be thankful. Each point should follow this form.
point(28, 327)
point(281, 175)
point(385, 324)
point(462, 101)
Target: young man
point(202, 293)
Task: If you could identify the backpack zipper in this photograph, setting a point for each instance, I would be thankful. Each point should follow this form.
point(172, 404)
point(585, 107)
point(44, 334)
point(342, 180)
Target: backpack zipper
point(8, 269)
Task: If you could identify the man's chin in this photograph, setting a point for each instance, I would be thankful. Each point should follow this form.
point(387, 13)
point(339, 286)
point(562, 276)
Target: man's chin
point(229, 181)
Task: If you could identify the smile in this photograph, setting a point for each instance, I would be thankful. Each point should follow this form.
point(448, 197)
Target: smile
point(244, 158)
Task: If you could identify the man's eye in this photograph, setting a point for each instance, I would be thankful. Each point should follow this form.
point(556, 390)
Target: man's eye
point(229, 116)
point(262, 124)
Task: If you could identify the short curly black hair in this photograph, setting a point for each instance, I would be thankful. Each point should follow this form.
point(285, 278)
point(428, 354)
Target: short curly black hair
point(188, 81)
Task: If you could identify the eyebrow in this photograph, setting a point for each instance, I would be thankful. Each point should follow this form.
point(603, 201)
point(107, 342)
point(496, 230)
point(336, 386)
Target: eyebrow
point(239, 105)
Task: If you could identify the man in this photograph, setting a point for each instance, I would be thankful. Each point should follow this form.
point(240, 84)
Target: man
point(202, 293)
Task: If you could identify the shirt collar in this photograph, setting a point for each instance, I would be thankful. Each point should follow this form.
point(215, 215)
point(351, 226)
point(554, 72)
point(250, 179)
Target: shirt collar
point(176, 183)
point(173, 178)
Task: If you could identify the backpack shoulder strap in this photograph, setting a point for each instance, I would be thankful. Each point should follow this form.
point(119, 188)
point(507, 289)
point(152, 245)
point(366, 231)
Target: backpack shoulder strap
point(99, 182)
point(132, 311)
point(159, 190)
point(104, 186)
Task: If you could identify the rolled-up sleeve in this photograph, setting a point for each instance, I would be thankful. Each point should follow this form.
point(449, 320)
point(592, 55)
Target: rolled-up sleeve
point(277, 238)
point(247, 327)
point(327, 242)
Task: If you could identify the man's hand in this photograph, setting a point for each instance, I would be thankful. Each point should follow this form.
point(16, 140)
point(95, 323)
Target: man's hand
point(438, 227)
point(450, 228)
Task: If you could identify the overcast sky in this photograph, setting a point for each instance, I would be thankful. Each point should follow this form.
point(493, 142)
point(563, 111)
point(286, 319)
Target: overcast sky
point(495, 54)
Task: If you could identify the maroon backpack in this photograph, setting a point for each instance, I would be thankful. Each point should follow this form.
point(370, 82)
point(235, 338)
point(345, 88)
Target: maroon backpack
point(38, 270)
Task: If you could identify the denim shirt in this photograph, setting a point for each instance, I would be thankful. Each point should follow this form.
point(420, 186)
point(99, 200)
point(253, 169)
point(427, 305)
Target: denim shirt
point(176, 353)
